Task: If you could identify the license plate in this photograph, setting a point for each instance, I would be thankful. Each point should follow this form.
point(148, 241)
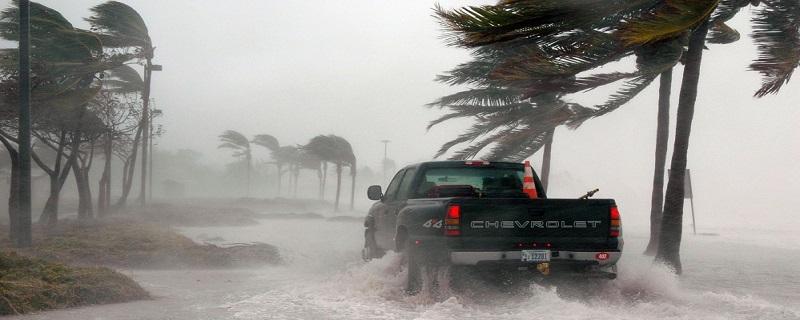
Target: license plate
point(535, 255)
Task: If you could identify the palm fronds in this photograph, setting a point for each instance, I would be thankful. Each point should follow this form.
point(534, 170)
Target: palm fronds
point(668, 20)
point(267, 141)
point(119, 26)
point(236, 141)
point(776, 32)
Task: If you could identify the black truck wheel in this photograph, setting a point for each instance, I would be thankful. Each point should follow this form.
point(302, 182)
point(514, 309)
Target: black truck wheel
point(370, 250)
point(413, 283)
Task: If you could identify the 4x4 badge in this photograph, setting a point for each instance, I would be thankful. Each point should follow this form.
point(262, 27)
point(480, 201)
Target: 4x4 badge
point(433, 223)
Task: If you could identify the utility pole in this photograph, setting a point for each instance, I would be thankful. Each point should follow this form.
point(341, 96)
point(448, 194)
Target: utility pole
point(23, 233)
point(149, 67)
point(385, 154)
point(155, 113)
point(150, 173)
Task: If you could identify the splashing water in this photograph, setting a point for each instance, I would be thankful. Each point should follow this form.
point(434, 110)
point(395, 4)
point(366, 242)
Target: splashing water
point(342, 287)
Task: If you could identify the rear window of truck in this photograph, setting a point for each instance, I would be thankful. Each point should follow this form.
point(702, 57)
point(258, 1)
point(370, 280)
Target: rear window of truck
point(465, 182)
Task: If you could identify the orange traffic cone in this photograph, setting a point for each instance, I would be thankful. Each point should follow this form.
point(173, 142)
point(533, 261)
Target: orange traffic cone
point(528, 186)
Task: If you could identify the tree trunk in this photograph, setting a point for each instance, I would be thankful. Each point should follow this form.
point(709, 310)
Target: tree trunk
point(104, 192)
point(49, 215)
point(338, 186)
point(669, 239)
point(58, 175)
point(662, 139)
point(548, 151)
point(280, 177)
point(296, 178)
point(249, 166)
point(319, 178)
point(353, 188)
point(13, 218)
point(324, 180)
point(85, 210)
point(130, 166)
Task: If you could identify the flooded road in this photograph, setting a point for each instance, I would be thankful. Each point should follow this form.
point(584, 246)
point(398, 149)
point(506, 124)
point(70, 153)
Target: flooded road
point(324, 278)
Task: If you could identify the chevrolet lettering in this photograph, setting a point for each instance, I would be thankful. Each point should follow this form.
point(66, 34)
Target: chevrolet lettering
point(533, 224)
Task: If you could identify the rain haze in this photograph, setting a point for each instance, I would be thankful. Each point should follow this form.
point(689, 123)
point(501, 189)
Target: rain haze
point(365, 71)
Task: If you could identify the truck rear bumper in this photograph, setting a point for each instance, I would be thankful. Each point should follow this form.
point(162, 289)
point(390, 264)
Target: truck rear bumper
point(515, 257)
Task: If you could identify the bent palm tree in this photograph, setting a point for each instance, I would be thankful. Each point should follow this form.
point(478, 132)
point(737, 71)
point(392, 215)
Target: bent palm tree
point(241, 149)
point(323, 148)
point(563, 35)
point(120, 26)
point(270, 143)
point(336, 150)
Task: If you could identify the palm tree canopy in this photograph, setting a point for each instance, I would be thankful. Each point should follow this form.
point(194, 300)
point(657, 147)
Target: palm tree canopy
point(331, 148)
point(529, 54)
point(124, 79)
point(234, 140)
point(65, 60)
point(776, 32)
point(120, 26)
point(286, 155)
point(344, 151)
point(267, 141)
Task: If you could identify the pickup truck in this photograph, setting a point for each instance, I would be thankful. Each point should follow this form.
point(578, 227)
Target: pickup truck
point(475, 213)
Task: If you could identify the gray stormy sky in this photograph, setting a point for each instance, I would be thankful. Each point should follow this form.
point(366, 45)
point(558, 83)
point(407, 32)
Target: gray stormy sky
point(364, 70)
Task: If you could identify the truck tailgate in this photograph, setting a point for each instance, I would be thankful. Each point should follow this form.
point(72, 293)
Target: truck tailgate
point(523, 223)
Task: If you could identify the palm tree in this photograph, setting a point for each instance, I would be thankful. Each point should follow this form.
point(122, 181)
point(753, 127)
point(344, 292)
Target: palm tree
point(307, 160)
point(719, 33)
point(66, 61)
point(270, 143)
point(669, 242)
point(120, 26)
point(120, 81)
point(241, 149)
point(323, 148)
point(286, 156)
point(662, 137)
point(649, 29)
point(336, 150)
point(344, 157)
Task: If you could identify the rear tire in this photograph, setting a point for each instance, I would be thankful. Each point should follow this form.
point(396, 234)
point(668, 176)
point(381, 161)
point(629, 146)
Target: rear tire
point(413, 283)
point(371, 249)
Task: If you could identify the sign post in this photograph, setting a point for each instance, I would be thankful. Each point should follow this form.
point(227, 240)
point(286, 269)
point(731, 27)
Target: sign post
point(687, 188)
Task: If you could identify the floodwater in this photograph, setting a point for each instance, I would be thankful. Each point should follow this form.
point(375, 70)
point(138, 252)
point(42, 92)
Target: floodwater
point(737, 274)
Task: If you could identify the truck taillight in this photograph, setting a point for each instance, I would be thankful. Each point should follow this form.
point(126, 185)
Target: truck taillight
point(477, 163)
point(615, 223)
point(452, 221)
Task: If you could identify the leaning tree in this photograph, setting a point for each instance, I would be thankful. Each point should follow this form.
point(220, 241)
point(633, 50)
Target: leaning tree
point(241, 149)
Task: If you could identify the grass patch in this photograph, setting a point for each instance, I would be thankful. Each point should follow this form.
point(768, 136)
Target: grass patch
point(130, 243)
point(28, 285)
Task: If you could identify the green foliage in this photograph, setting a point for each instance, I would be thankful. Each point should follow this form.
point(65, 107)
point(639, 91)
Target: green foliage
point(530, 54)
point(667, 20)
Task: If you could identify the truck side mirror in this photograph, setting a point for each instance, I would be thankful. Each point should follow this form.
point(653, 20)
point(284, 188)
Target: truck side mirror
point(374, 192)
